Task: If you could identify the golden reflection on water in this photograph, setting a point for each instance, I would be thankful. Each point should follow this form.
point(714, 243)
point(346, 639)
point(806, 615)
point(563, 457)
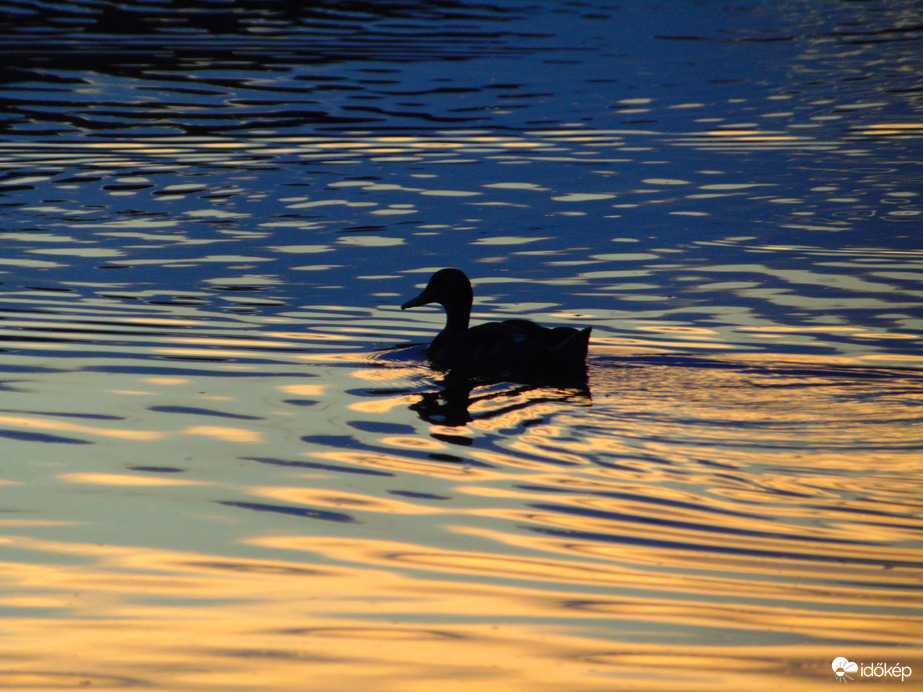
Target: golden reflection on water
point(35, 423)
point(380, 615)
point(699, 517)
point(394, 462)
point(122, 479)
point(749, 518)
point(671, 530)
point(332, 498)
point(288, 628)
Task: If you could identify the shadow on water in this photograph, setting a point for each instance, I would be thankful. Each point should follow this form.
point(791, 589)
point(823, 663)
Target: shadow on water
point(450, 403)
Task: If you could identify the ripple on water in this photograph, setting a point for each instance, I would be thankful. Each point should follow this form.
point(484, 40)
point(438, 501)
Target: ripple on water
point(210, 221)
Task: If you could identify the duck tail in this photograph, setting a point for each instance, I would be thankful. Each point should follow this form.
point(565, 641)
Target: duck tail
point(573, 348)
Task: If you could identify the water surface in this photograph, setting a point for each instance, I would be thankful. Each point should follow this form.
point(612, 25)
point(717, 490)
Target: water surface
point(218, 473)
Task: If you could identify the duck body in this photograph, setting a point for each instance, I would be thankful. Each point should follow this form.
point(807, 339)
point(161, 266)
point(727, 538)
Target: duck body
point(517, 349)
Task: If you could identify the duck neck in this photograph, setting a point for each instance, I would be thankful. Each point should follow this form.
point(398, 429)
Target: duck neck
point(457, 315)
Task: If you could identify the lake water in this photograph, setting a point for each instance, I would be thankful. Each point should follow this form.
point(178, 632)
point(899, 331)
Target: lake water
point(216, 472)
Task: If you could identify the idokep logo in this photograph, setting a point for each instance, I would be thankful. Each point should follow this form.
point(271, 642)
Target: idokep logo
point(842, 667)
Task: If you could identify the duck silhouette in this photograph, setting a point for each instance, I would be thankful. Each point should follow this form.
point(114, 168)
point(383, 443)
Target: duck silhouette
point(516, 349)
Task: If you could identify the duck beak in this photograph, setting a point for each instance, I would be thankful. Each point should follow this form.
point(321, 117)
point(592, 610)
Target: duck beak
point(421, 299)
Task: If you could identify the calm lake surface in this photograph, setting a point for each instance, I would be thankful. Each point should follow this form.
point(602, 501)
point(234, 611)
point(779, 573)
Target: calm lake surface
point(217, 472)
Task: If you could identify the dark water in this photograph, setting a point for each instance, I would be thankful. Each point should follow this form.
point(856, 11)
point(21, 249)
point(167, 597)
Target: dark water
point(216, 473)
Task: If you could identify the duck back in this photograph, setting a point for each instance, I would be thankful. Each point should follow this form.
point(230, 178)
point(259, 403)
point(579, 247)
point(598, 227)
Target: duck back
point(513, 348)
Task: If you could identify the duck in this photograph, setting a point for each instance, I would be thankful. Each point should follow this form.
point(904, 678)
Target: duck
point(514, 349)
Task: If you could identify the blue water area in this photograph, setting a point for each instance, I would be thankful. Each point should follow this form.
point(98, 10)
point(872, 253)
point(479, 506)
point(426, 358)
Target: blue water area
point(225, 460)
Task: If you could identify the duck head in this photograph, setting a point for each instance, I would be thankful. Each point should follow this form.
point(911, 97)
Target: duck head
point(451, 289)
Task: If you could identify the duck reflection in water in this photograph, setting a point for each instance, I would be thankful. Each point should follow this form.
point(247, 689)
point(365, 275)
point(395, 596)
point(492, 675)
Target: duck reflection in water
point(518, 351)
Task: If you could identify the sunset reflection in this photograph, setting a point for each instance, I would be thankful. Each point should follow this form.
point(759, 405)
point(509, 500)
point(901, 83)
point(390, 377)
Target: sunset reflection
point(227, 463)
point(295, 619)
